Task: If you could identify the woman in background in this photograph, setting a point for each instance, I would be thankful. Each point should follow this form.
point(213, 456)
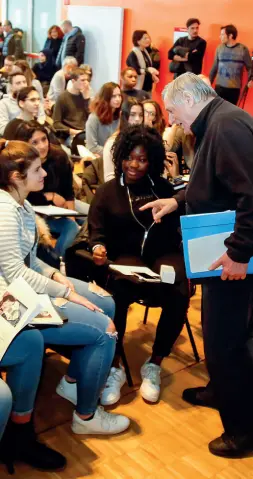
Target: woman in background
point(104, 118)
point(54, 41)
point(141, 61)
point(131, 114)
point(44, 69)
point(153, 116)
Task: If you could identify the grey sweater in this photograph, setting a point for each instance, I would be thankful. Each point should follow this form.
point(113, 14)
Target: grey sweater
point(228, 65)
point(97, 133)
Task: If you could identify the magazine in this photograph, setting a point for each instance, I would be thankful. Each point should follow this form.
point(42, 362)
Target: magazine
point(21, 306)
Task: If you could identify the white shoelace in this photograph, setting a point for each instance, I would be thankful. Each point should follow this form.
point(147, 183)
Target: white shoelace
point(152, 373)
point(106, 418)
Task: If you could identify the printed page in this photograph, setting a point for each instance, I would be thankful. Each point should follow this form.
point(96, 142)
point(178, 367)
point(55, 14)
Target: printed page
point(47, 315)
point(130, 270)
point(51, 210)
point(205, 250)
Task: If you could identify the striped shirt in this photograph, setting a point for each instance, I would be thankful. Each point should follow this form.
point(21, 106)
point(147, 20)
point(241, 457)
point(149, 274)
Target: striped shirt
point(17, 240)
point(228, 65)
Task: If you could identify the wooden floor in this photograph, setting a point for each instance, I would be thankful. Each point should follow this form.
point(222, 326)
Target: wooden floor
point(165, 441)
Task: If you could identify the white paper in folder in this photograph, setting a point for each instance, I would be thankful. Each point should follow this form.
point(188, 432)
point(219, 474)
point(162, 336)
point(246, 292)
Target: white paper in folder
point(205, 250)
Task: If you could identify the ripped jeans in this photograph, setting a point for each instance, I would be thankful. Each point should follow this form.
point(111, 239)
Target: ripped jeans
point(92, 348)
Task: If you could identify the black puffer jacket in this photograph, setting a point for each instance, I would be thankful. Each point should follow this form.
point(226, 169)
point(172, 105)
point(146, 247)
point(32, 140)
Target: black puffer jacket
point(76, 46)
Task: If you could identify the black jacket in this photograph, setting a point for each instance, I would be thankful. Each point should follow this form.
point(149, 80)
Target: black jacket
point(195, 58)
point(112, 224)
point(76, 46)
point(222, 173)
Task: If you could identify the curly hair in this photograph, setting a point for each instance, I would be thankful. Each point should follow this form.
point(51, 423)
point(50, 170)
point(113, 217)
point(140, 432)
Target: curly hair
point(59, 31)
point(101, 104)
point(160, 122)
point(140, 135)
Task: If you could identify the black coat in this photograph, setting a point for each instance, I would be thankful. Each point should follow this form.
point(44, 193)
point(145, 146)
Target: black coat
point(76, 47)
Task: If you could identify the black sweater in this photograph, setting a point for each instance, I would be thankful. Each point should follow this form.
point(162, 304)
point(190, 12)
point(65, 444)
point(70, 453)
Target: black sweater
point(112, 224)
point(222, 174)
point(195, 58)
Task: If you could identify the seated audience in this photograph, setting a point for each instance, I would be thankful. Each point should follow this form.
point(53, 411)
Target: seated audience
point(60, 78)
point(104, 118)
point(8, 67)
point(153, 116)
point(128, 83)
point(131, 114)
point(54, 41)
point(28, 101)
point(9, 108)
point(72, 107)
point(89, 72)
point(90, 332)
point(58, 184)
point(121, 233)
point(140, 60)
point(44, 69)
point(30, 77)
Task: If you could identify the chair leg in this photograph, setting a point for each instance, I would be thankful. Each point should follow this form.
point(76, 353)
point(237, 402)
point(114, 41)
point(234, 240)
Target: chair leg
point(193, 344)
point(126, 366)
point(146, 315)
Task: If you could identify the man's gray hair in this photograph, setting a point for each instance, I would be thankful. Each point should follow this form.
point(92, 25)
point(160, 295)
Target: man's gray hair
point(190, 83)
point(69, 61)
point(67, 22)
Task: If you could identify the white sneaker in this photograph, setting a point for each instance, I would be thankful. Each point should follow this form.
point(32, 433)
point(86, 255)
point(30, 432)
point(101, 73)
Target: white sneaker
point(102, 423)
point(150, 387)
point(115, 381)
point(67, 391)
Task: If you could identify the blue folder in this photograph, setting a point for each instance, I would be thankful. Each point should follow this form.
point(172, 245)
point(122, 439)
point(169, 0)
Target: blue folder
point(203, 238)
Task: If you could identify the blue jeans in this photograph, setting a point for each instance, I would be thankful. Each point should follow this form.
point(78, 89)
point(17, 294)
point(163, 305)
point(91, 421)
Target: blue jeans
point(23, 362)
point(93, 349)
point(5, 405)
point(67, 229)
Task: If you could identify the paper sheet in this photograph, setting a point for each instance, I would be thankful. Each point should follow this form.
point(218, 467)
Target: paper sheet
point(51, 210)
point(205, 250)
point(85, 153)
point(130, 270)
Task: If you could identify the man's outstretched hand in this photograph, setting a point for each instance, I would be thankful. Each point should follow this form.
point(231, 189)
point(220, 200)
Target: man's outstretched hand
point(161, 208)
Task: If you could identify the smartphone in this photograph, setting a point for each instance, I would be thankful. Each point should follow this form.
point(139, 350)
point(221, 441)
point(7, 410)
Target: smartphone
point(147, 277)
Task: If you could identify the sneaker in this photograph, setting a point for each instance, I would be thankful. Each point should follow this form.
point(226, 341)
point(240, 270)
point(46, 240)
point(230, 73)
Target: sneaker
point(102, 423)
point(67, 391)
point(115, 381)
point(150, 387)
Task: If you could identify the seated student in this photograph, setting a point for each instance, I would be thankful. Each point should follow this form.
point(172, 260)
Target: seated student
point(129, 79)
point(24, 67)
point(57, 186)
point(72, 107)
point(119, 231)
point(44, 69)
point(89, 331)
point(60, 78)
point(9, 108)
point(8, 67)
point(23, 362)
point(104, 118)
point(28, 101)
point(131, 114)
point(153, 116)
point(89, 71)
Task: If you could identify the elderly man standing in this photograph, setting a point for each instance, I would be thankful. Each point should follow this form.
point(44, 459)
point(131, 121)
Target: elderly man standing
point(221, 179)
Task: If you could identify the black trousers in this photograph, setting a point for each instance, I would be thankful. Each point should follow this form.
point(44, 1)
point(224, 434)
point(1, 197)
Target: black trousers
point(228, 342)
point(229, 94)
point(173, 299)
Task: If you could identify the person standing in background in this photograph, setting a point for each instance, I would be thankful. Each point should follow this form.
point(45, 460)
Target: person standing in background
point(73, 44)
point(54, 41)
point(12, 43)
point(1, 44)
point(230, 59)
point(194, 47)
point(140, 60)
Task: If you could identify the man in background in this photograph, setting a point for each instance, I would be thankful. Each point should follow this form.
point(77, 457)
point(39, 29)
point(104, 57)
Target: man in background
point(59, 81)
point(193, 47)
point(73, 44)
point(231, 58)
point(128, 83)
point(12, 43)
point(8, 67)
point(9, 108)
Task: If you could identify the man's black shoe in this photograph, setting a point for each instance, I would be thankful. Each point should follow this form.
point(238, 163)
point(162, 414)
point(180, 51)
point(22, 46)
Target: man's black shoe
point(231, 446)
point(200, 396)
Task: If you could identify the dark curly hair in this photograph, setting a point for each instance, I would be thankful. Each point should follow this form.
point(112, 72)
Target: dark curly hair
point(140, 135)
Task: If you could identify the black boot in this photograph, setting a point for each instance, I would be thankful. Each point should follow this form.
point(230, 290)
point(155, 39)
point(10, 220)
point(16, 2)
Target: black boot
point(201, 396)
point(19, 443)
point(231, 446)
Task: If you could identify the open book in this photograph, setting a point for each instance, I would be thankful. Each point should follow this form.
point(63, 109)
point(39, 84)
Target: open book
point(20, 306)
